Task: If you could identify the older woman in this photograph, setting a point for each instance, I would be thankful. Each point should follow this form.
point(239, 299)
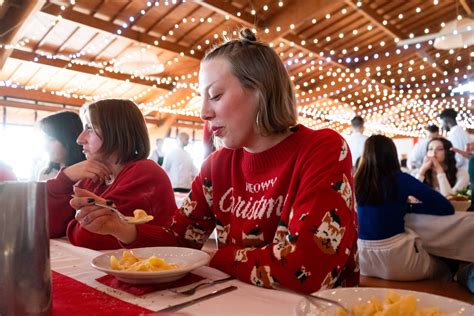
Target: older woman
point(278, 193)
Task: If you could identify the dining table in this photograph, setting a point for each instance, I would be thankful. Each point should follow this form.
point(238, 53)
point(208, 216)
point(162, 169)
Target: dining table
point(76, 291)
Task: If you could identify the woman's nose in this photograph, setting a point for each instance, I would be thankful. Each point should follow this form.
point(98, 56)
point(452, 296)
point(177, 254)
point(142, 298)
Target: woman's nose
point(207, 113)
point(80, 138)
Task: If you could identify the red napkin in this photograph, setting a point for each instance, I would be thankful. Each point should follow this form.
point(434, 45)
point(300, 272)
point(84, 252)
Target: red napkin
point(141, 289)
point(71, 297)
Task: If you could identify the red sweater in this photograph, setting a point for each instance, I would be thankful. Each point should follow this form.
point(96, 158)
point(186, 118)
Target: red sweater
point(141, 184)
point(284, 215)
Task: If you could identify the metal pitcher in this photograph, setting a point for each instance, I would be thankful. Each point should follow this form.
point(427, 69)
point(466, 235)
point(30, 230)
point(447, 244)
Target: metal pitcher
point(25, 274)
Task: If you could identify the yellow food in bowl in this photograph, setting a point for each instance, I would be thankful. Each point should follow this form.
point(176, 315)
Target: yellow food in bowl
point(393, 304)
point(130, 262)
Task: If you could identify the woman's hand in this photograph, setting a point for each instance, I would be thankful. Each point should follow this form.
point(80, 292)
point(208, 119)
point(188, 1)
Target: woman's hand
point(427, 165)
point(100, 220)
point(91, 169)
point(468, 153)
point(437, 166)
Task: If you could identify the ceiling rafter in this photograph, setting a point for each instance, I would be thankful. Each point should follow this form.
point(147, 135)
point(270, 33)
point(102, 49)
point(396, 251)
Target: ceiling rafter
point(59, 63)
point(13, 21)
point(296, 10)
point(389, 29)
point(43, 101)
point(290, 39)
point(108, 27)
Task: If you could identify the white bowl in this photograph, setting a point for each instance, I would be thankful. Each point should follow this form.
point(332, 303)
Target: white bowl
point(460, 206)
point(359, 295)
point(187, 260)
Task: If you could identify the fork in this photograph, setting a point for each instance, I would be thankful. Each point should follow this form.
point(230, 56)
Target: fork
point(123, 218)
point(192, 290)
point(314, 299)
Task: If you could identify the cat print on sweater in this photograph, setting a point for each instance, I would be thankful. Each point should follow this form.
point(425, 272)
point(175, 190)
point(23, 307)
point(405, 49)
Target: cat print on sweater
point(254, 238)
point(282, 249)
point(329, 234)
point(281, 232)
point(344, 151)
point(330, 280)
point(344, 189)
point(261, 276)
point(222, 232)
point(188, 206)
point(195, 234)
point(241, 255)
point(207, 190)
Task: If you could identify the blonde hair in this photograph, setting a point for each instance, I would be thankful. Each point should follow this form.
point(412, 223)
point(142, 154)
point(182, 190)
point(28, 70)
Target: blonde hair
point(258, 68)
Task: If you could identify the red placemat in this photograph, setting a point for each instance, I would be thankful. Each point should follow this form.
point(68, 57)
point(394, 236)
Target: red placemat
point(71, 297)
point(140, 289)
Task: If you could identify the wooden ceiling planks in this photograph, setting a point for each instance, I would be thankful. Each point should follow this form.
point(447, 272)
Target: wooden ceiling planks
point(95, 28)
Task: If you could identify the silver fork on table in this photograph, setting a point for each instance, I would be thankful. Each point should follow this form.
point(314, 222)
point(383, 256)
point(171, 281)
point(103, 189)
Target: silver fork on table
point(192, 290)
point(315, 300)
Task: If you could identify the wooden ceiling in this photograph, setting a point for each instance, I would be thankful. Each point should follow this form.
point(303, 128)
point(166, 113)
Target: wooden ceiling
point(342, 56)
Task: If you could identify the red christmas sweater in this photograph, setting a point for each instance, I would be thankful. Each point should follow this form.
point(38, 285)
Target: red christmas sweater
point(284, 215)
point(140, 184)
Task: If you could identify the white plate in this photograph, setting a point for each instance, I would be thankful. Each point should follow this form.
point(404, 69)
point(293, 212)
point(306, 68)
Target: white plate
point(187, 259)
point(355, 296)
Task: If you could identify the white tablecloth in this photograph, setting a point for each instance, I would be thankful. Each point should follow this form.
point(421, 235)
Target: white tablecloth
point(449, 236)
point(247, 300)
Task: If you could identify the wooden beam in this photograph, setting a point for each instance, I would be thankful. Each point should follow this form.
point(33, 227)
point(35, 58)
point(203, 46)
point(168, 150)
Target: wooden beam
point(466, 6)
point(59, 63)
point(296, 11)
point(39, 95)
point(111, 28)
point(13, 22)
point(392, 31)
point(36, 106)
point(168, 120)
point(225, 8)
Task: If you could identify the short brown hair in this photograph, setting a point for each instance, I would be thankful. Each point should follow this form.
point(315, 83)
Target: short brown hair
point(122, 128)
point(258, 67)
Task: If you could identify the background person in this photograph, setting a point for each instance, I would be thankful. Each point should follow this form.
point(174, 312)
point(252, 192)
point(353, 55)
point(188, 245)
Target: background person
point(179, 165)
point(418, 153)
point(61, 130)
point(386, 249)
point(115, 142)
point(279, 194)
point(458, 137)
point(158, 155)
point(6, 173)
point(357, 139)
point(439, 169)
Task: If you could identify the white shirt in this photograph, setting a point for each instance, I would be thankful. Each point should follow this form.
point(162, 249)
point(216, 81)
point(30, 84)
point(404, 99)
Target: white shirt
point(418, 153)
point(459, 138)
point(462, 181)
point(356, 143)
point(180, 168)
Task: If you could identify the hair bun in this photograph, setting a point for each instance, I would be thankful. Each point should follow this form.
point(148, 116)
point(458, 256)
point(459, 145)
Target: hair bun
point(247, 35)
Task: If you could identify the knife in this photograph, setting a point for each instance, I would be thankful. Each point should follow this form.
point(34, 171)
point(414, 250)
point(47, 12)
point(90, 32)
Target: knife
point(176, 307)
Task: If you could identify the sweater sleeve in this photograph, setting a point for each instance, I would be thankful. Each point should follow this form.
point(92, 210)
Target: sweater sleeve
point(190, 225)
point(462, 180)
point(143, 185)
point(315, 247)
point(60, 212)
point(432, 202)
